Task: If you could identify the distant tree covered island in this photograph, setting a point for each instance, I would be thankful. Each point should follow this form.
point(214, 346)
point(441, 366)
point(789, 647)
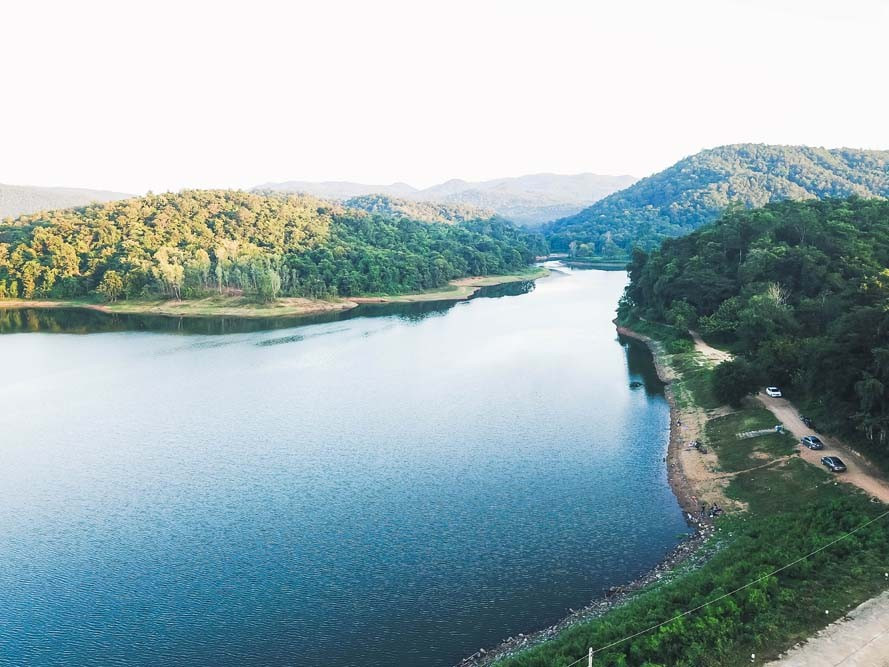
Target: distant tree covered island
point(194, 243)
point(800, 290)
point(697, 189)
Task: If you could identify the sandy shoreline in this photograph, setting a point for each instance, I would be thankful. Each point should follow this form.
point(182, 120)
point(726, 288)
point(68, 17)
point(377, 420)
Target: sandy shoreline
point(688, 547)
point(206, 307)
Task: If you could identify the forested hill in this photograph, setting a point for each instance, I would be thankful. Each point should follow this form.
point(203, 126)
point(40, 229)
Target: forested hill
point(195, 242)
point(801, 291)
point(394, 207)
point(697, 189)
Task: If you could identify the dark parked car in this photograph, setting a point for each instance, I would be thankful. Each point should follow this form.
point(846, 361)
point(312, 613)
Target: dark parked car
point(805, 420)
point(813, 442)
point(833, 463)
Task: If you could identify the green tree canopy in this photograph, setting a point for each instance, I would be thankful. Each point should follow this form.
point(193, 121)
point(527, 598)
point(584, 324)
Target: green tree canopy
point(180, 245)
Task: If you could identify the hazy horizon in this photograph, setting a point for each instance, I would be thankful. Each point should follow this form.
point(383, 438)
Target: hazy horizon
point(230, 95)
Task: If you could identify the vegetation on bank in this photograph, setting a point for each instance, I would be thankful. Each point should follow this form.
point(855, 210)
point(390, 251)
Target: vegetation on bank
point(223, 305)
point(697, 189)
point(194, 243)
point(793, 509)
point(800, 292)
point(424, 211)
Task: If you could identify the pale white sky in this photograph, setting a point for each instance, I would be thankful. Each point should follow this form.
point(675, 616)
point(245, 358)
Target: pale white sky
point(163, 95)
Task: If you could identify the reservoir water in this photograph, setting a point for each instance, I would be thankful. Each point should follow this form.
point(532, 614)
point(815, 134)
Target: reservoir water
point(388, 487)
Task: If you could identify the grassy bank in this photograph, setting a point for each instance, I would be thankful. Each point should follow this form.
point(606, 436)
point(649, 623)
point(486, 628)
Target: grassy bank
point(239, 306)
point(793, 509)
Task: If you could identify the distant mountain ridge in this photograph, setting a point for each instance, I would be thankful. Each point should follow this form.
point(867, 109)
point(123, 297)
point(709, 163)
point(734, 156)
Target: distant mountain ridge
point(526, 200)
point(695, 190)
point(18, 200)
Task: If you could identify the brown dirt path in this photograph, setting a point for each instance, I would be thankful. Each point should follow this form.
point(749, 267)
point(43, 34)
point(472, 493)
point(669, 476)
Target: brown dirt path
point(860, 472)
point(708, 352)
point(861, 638)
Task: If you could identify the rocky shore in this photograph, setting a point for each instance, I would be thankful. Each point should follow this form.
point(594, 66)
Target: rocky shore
point(614, 597)
point(682, 488)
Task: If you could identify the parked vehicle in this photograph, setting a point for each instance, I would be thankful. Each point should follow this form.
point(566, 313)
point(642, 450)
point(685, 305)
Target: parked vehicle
point(833, 463)
point(808, 422)
point(813, 442)
point(774, 392)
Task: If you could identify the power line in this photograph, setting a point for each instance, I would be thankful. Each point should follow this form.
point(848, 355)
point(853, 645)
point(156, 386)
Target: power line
point(872, 640)
point(593, 652)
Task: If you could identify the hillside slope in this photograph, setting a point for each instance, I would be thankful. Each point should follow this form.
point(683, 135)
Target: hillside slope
point(18, 200)
point(193, 243)
point(698, 188)
point(801, 292)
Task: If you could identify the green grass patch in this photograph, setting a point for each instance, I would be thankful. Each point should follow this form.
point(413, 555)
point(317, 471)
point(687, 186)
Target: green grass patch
point(786, 488)
point(734, 454)
point(695, 383)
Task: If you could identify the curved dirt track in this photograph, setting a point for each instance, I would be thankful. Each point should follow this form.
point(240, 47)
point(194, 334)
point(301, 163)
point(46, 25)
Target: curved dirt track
point(859, 473)
point(861, 637)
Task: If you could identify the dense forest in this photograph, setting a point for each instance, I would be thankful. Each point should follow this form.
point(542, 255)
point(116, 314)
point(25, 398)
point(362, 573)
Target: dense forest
point(697, 189)
point(423, 211)
point(800, 290)
point(193, 243)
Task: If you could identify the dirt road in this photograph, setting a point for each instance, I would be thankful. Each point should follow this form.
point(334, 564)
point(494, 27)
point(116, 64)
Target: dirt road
point(859, 472)
point(709, 353)
point(861, 639)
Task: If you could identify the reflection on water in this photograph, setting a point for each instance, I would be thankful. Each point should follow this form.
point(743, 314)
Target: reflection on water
point(396, 489)
point(83, 321)
point(641, 365)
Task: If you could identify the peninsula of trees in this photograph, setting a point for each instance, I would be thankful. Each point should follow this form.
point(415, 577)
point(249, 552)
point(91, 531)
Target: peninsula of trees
point(800, 291)
point(696, 190)
point(194, 243)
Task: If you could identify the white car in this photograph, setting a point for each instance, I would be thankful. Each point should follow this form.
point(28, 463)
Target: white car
point(774, 392)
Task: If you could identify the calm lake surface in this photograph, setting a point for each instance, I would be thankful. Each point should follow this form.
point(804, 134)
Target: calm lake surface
point(400, 488)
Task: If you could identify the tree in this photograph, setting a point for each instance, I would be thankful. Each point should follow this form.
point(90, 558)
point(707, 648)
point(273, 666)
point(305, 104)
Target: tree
point(111, 285)
point(734, 379)
point(268, 285)
point(682, 315)
point(188, 243)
